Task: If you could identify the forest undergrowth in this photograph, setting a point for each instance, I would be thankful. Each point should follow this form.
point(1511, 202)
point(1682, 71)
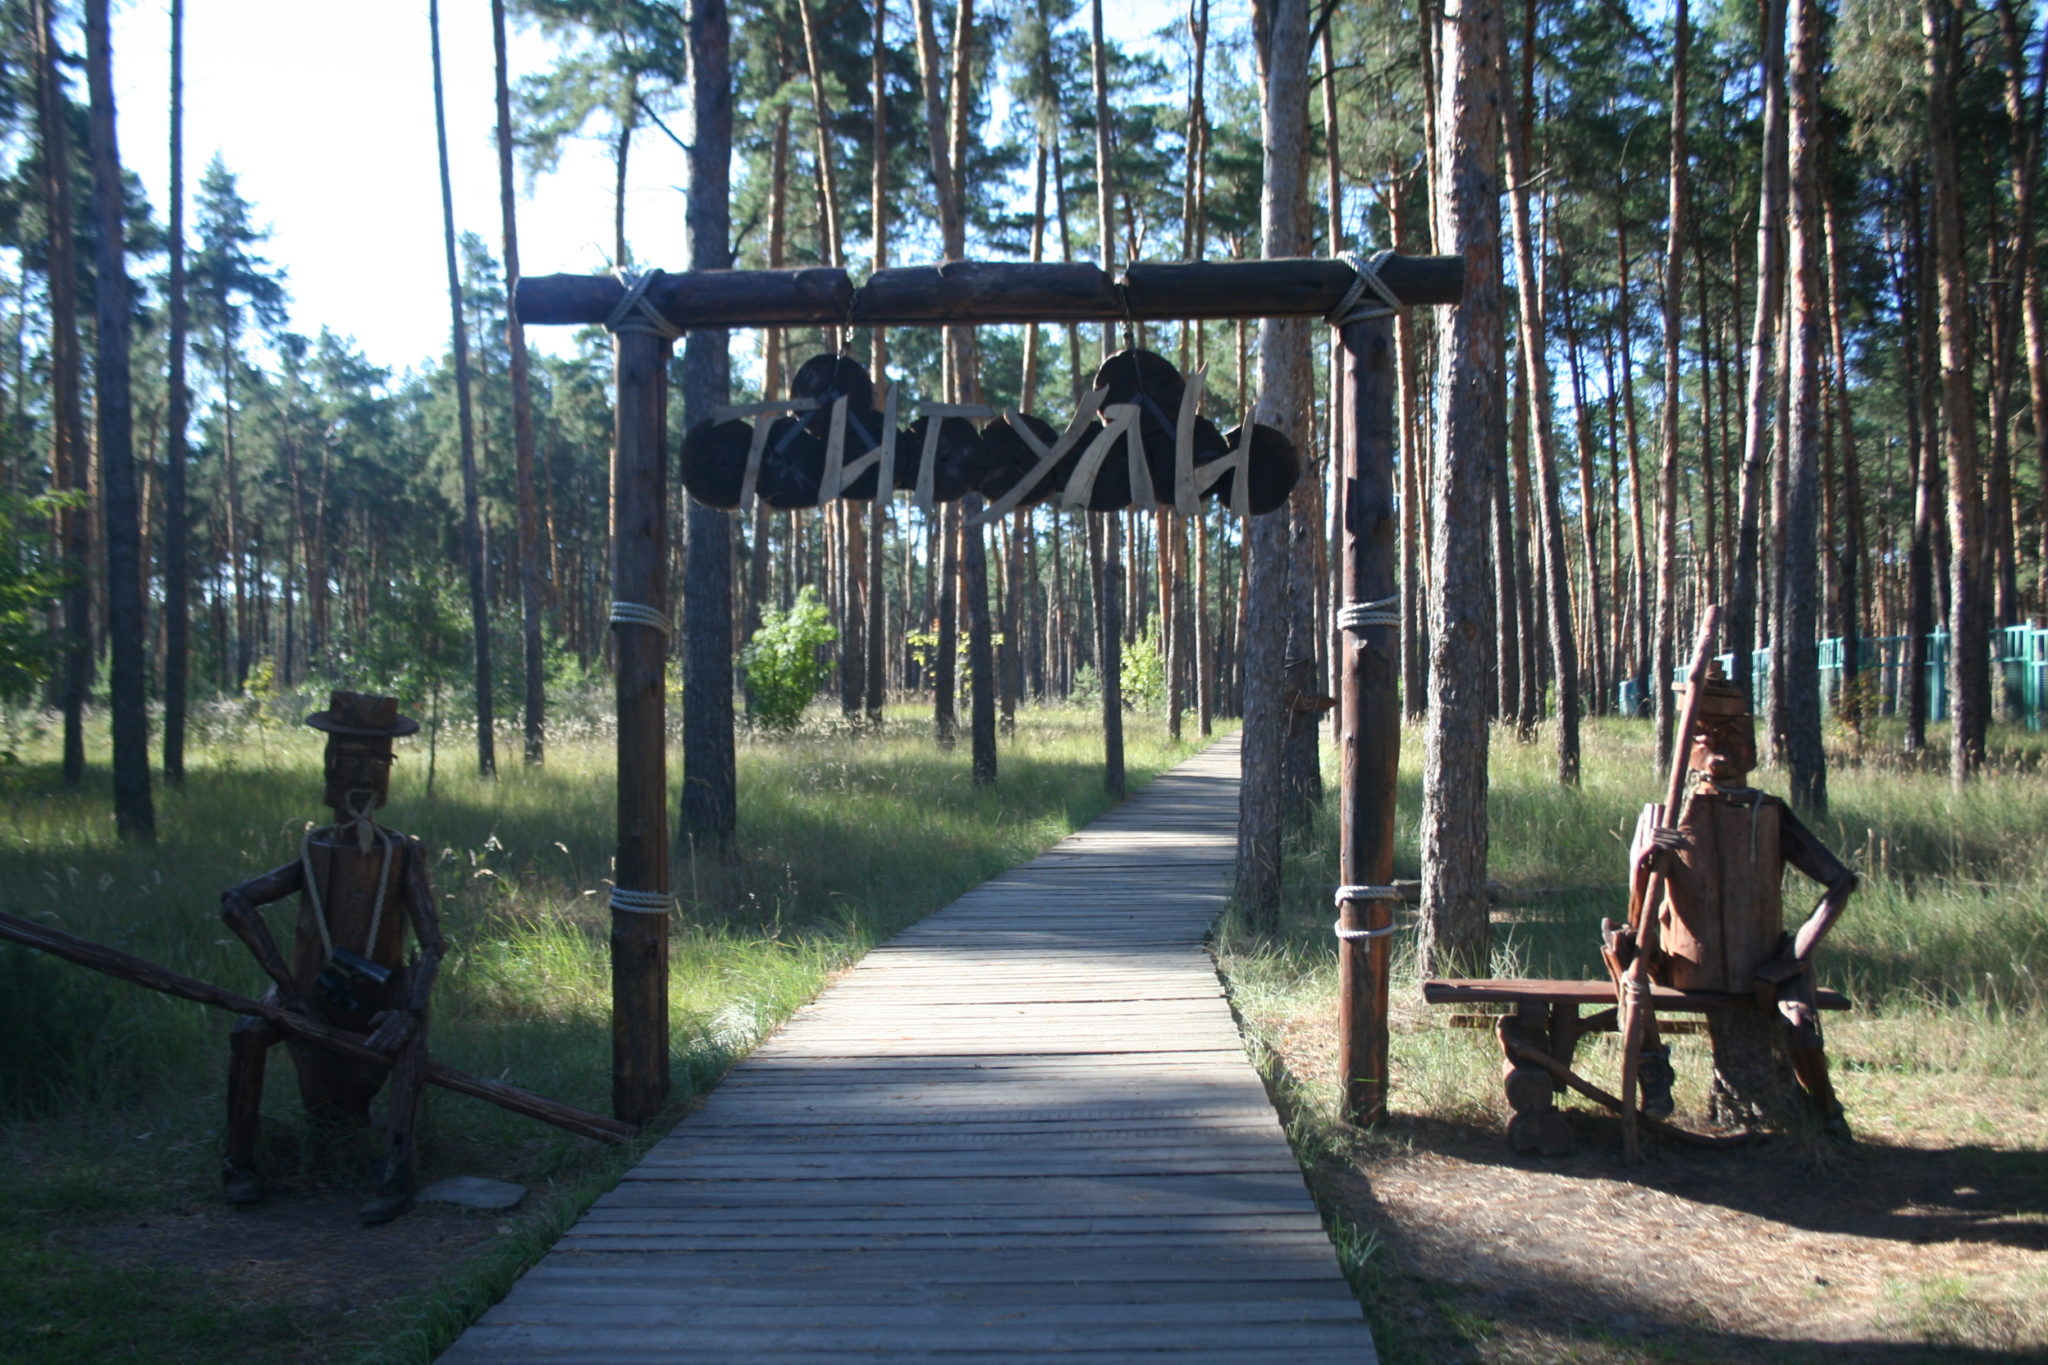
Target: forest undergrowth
point(113, 1243)
point(1942, 1065)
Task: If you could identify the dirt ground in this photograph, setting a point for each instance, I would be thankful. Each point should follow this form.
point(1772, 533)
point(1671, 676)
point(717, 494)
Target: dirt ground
point(304, 1281)
point(1890, 1253)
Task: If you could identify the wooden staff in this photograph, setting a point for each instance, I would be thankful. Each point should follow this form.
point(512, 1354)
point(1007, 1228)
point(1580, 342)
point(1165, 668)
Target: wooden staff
point(1633, 988)
point(141, 972)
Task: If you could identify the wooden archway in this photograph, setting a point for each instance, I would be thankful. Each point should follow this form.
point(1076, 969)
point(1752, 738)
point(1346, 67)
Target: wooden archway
point(1358, 298)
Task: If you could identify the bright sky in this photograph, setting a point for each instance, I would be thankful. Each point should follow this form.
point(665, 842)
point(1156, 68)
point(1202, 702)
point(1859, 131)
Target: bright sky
point(326, 116)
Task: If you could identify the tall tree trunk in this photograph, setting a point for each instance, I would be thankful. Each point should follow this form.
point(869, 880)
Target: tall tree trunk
point(878, 512)
point(1916, 275)
point(1528, 712)
point(1851, 581)
point(1110, 603)
point(177, 552)
point(2027, 114)
point(1414, 639)
point(134, 812)
point(522, 420)
point(1635, 660)
point(981, 666)
point(1969, 642)
point(1535, 359)
point(946, 573)
point(472, 527)
point(1455, 933)
point(68, 447)
point(1770, 275)
point(710, 788)
point(1281, 30)
point(1807, 757)
point(1593, 606)
point(1664, 652)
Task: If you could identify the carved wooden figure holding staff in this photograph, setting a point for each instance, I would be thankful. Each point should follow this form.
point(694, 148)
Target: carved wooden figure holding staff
point(359, 885)
point(1720, 914)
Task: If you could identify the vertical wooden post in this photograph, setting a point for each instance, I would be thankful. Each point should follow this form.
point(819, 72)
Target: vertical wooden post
point(1370, 748)
point(640, 905)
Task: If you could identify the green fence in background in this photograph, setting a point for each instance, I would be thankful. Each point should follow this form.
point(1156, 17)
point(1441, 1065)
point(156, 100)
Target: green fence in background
point(2019, 662)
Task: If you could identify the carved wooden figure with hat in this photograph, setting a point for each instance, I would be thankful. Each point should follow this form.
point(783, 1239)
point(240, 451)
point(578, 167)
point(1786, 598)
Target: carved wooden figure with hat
point(1720, 917)
point(360, 887)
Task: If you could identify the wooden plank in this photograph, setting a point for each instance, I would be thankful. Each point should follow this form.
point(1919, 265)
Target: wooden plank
point(1182, 1315)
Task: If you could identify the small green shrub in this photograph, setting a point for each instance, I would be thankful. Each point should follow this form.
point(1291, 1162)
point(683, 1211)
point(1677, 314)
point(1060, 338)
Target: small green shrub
point(784, 662)
point(1144, 674)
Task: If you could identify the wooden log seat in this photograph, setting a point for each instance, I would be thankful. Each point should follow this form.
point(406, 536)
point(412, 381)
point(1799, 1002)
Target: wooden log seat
point(1544, 1019)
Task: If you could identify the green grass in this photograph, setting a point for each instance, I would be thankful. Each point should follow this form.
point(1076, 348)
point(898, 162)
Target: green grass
point(1944, 950)
point(110, 1096)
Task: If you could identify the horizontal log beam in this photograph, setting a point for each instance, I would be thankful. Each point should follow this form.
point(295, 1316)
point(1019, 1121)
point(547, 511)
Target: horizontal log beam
point(990, 292)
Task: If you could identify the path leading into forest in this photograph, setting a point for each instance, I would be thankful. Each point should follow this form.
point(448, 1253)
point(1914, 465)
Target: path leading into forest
point(1024, 1127)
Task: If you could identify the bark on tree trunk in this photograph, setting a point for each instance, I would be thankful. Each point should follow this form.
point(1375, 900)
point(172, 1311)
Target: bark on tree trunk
point(1455, 933)
point(472, 526)
point(1536, 363)
point(177, 608)
point(709, 799)
point(522, 422)
point(67, 428)
point(1915, 275)
point(1969, 672)
point(1743, 597)
point(1807, 758)
point(134, 811)
point(1664, 653)
point(1852, 581)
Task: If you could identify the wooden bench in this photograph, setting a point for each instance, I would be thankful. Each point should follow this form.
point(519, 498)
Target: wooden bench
point(1543, 1024)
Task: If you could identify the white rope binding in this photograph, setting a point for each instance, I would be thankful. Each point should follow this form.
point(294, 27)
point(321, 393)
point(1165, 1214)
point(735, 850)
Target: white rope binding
point(1383, 611)
point(634, 614)
point(635, 312)
point(642, 902)
point(1368, 296)
point(1348, 894)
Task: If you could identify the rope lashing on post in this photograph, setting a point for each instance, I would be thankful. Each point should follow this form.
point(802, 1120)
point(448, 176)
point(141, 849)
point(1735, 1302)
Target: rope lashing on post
point(642, 902)
point(1381, 611)
point(635, 312)
point(634, 614)
point(1356, 935)
point(1368, 296)
point(1349, 894)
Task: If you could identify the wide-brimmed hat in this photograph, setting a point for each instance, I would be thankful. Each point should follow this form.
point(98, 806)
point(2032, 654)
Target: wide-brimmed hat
point(361, 713)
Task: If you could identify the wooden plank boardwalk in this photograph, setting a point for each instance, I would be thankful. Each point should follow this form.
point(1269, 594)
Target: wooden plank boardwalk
point(1023, 1128)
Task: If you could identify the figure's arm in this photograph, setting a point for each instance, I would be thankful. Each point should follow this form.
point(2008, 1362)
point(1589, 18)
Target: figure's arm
point(393, 1028)
point(1654, 849)
point(1807, 853)
point(426, 926)
point(238, 909)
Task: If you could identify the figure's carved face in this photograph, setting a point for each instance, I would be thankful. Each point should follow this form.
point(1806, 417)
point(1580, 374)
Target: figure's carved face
point(358, 774)
point(1724, 747)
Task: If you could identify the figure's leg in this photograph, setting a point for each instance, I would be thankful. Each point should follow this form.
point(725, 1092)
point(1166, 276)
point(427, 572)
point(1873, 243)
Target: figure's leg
point(249, 1044)
point(1654, 1076)
point(1809, 1059)
point(394, 1170)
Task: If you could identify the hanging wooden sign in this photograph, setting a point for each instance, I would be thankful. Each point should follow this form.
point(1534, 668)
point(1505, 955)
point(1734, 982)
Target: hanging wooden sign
point(1137, 439)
